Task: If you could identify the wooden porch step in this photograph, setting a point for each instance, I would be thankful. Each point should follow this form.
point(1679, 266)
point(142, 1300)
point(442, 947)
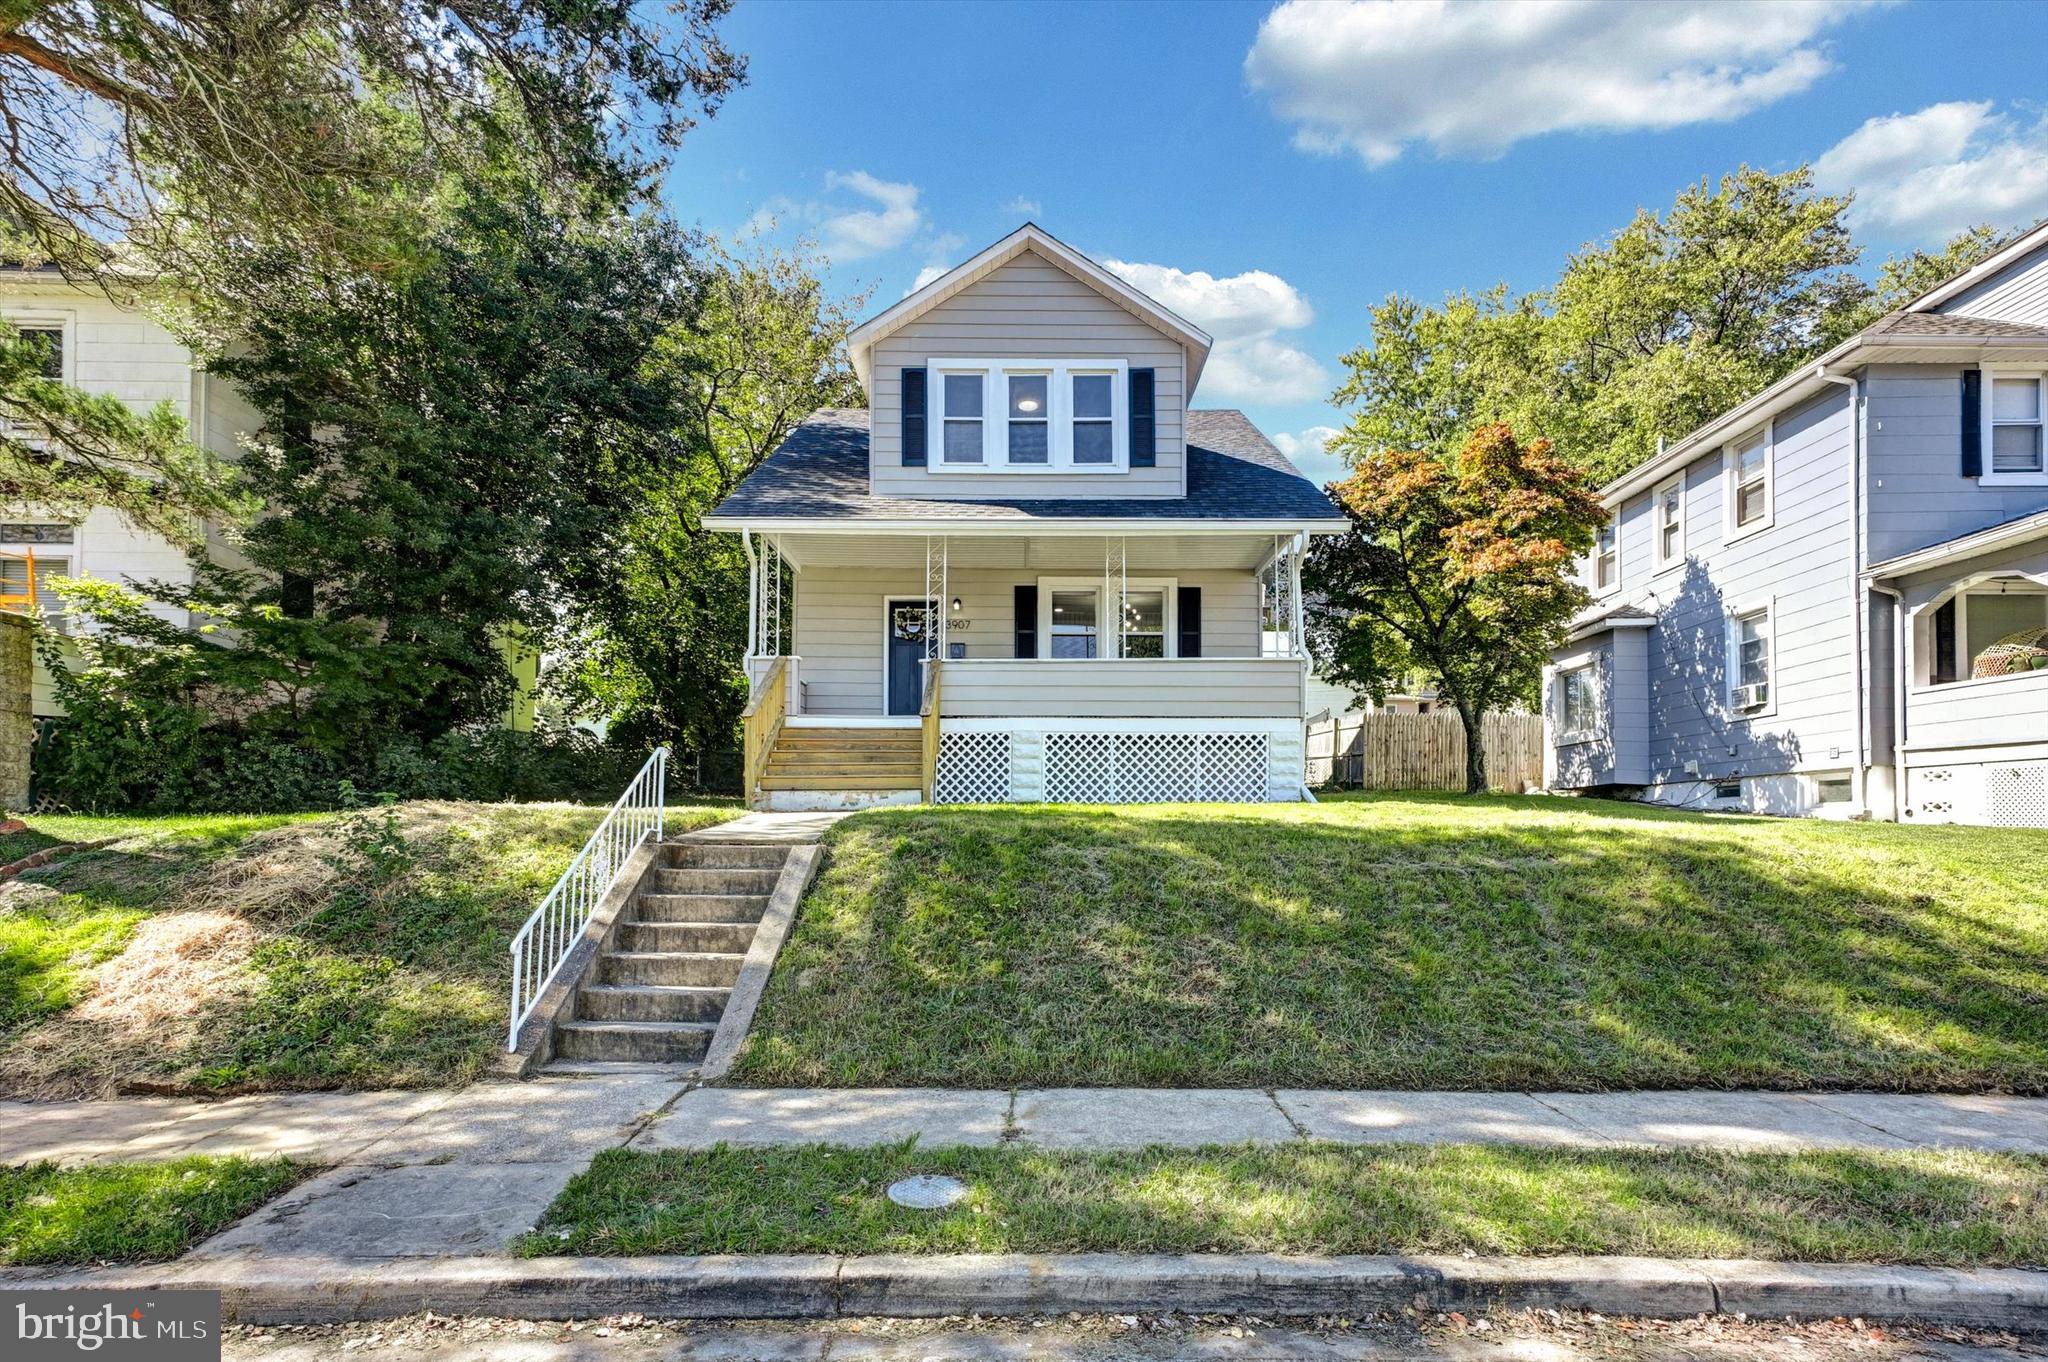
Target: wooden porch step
point(848, 744)
point(822, 765)
point(847, 782)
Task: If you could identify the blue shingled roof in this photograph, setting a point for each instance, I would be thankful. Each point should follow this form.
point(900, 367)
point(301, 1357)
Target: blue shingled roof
point(821, 471)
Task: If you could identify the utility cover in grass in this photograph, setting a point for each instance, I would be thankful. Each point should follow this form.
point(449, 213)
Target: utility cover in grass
point(927, 1192)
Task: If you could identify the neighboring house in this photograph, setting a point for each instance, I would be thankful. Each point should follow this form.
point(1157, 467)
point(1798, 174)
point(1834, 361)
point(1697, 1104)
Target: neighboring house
point(101, 347)
point(1029, 569)
point(1833, 599)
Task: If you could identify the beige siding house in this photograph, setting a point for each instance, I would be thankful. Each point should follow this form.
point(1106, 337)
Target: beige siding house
point(1029, 569)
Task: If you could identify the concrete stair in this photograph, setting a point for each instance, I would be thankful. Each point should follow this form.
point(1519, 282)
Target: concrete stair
point(662, 987)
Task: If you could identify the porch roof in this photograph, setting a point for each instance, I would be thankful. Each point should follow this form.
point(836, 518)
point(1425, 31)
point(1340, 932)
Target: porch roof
point(1236, 478)
point(2006, 534)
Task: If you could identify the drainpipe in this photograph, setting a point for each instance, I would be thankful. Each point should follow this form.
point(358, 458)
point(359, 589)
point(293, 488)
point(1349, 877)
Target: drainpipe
point(1902, 676)
point(1857, 608)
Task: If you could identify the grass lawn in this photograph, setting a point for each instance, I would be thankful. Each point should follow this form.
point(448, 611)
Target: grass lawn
point(1948, 1208)
point(129, 1212)
point(1412, 941)
point(239, 953)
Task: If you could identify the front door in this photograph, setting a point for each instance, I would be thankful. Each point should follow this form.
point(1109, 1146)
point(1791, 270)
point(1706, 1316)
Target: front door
point(908, 622)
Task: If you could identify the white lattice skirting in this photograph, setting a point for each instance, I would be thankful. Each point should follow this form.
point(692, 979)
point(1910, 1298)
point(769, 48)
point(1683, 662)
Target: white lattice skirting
point(1999, 794)
point(1077, 761)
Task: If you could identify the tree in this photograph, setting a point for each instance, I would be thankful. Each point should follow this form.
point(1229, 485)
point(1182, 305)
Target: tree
point(1645, 336)
point(1457, 568)
point(662, 602)
point(442, 451)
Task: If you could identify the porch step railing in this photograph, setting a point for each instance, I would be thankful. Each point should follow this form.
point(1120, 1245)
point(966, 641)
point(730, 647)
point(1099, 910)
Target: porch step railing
point(545, 940)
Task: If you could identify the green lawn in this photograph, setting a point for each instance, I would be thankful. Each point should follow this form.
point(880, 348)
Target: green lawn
point(235, 953)
point(1947, 1208)
point(129, 1212)
point(1412, 941)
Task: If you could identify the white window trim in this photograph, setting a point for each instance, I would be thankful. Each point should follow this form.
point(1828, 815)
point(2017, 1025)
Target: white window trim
point(1732, 531)
point(1584, 662)
point(1768, 607)
point(1601, 593)
point(1171, 613)
point(995, 420)
point(50, 319)
point(1657, 558)
point(1986, 477)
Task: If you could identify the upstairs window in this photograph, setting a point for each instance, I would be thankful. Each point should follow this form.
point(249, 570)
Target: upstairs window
point(962, 437)
point(1031, 415)
point(2015, 425)
point(1607, 558)
point(1667, 515)
point(51, 339)
point(1749, 483)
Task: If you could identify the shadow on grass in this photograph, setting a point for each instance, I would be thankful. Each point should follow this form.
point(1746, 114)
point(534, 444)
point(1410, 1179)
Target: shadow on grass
point(1412, 942)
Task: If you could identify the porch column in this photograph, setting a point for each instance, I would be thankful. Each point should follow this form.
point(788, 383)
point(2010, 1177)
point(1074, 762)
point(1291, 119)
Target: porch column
point(1298, 630)
point(753, 597)
point(937, 582)
point(1116, 594)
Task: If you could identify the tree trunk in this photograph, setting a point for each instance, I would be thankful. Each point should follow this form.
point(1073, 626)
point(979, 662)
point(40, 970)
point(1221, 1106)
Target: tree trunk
point(1475, 749)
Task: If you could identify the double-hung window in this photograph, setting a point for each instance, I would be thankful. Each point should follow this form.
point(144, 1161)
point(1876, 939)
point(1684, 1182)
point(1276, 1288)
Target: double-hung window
point(1749, 483)
point(1607, 557)
point(1030, 415)
point(1087, 617)
point(1667, 518)
point(1749, 663)
point(2013, 428)
point(1578, 702)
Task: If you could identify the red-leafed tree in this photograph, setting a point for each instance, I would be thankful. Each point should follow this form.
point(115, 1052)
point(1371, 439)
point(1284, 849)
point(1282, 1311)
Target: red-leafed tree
point(1457, 569)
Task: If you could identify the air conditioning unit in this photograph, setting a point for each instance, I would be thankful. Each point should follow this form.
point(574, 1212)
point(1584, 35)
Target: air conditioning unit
point(1752, 696)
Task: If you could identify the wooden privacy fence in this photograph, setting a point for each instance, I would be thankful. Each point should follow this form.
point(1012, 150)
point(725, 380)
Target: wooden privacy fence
point(1423, 751)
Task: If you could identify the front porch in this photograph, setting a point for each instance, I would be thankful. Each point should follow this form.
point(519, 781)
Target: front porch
point(1065, 667)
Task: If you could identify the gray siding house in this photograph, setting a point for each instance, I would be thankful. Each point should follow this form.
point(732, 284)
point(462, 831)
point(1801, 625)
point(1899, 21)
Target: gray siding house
point(1029, 569)
point(1833, 599)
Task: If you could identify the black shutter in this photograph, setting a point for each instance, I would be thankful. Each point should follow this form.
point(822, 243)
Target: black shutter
point(1973, 423)
point(1944, 669)
point(1190, 623)
point(1025, 607)
point(913, 418)
point(1144, 442)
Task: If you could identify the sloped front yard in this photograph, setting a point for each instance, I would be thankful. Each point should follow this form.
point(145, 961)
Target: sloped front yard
point(1412, 941)
point(241, 953)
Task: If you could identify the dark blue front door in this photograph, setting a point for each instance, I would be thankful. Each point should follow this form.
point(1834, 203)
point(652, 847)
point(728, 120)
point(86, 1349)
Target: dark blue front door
point(908, 621)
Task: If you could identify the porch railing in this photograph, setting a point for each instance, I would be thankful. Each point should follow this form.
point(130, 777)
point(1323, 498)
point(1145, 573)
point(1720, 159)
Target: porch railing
point(761, 721)
point(545, 940)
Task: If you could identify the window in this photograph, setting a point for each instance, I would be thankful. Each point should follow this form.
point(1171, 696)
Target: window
point(1968, 632)
point(52, 339)
point(1749, 665)
point(1607, 557)
point(1749, 483)
point(1031, 415)
point(1073, 629)
point(14, 571)
point(1667, 516)
point(1578, 701)
point(1144, 623)
point(1094, 420)
point(1727, 789)
point(1834, 789)
point(2015, 425)
point(962, 396)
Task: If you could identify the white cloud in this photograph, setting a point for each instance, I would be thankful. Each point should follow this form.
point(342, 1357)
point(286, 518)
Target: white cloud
point(1021, 207)
point(924, 276)
point(1245, 313)
point(1925, 176)
point(1471, 78)
point(1309, 451)
point(851, 233)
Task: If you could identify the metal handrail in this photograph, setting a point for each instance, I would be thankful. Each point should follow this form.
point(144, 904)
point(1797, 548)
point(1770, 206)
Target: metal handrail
point(544, 941)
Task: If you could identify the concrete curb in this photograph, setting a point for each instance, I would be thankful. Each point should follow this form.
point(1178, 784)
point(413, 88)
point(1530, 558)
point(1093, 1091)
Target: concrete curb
point(310, 1291)
point(745, 998)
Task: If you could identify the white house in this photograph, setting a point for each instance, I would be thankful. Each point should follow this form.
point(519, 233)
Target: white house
point(1833, 599)
point(1030, 568)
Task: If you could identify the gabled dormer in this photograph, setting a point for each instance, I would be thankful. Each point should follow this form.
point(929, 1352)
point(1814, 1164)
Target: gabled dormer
point(1030, 371)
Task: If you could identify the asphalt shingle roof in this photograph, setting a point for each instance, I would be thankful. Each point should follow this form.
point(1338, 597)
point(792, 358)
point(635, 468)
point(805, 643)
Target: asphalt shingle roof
point(821, 470)
point(1954, 324)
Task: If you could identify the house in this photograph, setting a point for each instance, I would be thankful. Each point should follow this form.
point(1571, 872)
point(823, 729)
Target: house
point(103, 347)
point(1030, 569)
point(1833, 599)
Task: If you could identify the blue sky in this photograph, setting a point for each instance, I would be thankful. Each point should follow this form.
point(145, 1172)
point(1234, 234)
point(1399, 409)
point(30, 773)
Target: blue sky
point(1272, 172)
